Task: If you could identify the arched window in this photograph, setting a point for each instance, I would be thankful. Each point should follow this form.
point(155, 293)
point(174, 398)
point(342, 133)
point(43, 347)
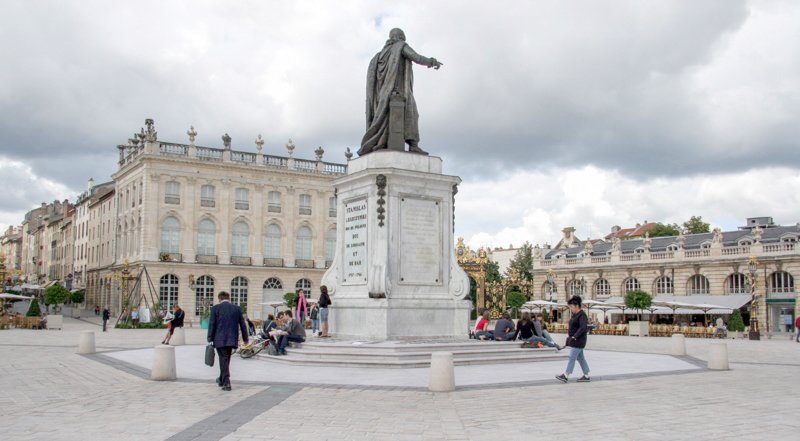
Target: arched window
point(631, 284)
point(305, 285)
point(273, 283)
point(206, 238)
point(664, 285)
point(239, 292)
point(240, 240)
point(170, 235)
point(574, 288)
point(547, 289)
point(602, 289)
point(204, 294)
point(698, 284)
point(736, 283)
point(330, 246)
point(781, 282)
point(272, 242)
point(168, 291)
point(303, 245)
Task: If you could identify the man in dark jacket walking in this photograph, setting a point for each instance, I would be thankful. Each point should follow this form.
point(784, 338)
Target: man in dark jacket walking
point(576, 340)
point(106, 316)
point(224, 324)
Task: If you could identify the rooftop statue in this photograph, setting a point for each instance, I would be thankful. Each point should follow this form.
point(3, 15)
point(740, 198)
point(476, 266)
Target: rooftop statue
point(391, 109)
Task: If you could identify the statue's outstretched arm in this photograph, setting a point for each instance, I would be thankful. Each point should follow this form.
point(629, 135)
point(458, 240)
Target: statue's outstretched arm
point(420, 59)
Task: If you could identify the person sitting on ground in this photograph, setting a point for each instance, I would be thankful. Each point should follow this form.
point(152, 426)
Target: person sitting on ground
point(722, 330)
point(269, 326)
point(481, 328)
point(524, 327)
point(292, 330)
point(540, 334)
point(504, 329)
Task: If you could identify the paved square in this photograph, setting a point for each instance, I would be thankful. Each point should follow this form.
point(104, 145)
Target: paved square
point(637, 393)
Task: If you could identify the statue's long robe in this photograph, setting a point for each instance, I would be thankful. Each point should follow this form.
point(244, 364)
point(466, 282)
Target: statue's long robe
point(389, 71)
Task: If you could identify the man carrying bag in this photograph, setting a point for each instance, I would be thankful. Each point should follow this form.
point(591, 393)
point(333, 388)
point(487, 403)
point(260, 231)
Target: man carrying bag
point(224, 324)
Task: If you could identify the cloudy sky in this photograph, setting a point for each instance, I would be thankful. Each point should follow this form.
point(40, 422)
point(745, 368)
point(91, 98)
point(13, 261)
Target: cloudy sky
point(554, 114)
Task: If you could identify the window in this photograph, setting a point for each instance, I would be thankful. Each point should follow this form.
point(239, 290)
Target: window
point(736, 284)
point(332, 206)
point(170, 235)
point(204, 294)
point(207, 196)
point(664, 285)
point(239, 292)
point(305, 285)
point(168, 291)
point(574, 288)
point(272, 242)
point(172, 194)
point(240, 240)
point(303, 245)
point(602, 289)
point(305, 204)
point(698, 284)
point(672, 247)
point(273, 283)
point(206, 238)
point(242, 199)
point(330, 246)
point(781, 282)
point(274, 202)
point(631, 284)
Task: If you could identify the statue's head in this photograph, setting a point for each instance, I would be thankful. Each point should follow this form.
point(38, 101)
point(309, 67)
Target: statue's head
point(397, 34)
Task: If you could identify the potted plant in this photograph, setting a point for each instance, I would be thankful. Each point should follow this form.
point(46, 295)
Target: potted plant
point(204, 315)
point(735, 325)
point(77, 299)
point(638, 300)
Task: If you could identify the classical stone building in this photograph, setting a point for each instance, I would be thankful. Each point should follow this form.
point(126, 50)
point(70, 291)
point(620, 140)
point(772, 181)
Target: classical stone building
point(204, 219)
point(714, 263)
point(11, 250)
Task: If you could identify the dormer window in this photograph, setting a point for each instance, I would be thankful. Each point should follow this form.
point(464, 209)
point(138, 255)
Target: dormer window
point(705, 245)
point(672, 247)
point(639, 250)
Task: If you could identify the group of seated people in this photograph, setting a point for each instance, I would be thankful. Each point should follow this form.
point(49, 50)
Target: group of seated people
point(282, 330)
point(531, 331)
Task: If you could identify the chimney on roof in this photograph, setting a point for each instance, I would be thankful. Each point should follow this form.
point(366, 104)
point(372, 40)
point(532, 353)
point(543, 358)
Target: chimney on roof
point(90, 184)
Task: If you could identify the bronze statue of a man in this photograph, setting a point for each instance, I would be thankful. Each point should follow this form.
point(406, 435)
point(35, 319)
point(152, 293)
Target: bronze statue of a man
point(391, 110)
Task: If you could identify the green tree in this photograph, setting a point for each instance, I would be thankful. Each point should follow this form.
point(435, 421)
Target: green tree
point(515, 300)
point(661, 230)
point(695, 225)
point(522, 262)
point(638, 300)
point(735, 323)
point(33, 310)
point(291, 299)
point(545, 315)
point(56, 295)
point(77, 297)
point(493, 272)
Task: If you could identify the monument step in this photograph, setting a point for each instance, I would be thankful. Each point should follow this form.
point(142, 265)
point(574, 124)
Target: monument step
point(405, 363)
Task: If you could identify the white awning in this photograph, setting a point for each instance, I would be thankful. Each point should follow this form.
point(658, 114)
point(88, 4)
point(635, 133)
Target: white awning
point(727, 302)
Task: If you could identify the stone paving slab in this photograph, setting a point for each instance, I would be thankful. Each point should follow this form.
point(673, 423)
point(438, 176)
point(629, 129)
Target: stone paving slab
point(604, 364)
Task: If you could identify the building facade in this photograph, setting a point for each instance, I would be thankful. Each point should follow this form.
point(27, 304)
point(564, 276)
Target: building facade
point(716, 263)
point(203, 220)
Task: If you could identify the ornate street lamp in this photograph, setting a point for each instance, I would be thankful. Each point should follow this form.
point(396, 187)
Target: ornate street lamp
point(752, 267)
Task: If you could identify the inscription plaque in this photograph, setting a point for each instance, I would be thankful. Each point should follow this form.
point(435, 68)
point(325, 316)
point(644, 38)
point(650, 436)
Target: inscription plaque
point(355, 242)
point(420, 241)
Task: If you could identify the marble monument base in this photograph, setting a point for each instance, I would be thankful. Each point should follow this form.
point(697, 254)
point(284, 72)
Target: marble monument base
point(400, 319)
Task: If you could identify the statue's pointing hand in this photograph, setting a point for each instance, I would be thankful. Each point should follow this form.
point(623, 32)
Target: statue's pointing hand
point(435, 64)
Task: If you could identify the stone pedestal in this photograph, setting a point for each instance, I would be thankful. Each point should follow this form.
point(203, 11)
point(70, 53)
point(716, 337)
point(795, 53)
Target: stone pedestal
point(163, 364)
point(395, 274)
point(86, 343)
point(442, 373)
point(178, 337)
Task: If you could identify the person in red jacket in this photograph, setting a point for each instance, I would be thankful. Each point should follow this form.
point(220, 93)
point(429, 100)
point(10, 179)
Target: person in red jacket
point(797, 328)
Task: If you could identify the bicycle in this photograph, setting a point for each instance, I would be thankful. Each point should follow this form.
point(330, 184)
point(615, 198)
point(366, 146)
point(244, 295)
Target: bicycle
point(256, 345)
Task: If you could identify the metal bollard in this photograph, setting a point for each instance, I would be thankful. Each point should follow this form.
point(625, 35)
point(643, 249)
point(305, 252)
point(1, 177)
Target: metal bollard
point(442, 373)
